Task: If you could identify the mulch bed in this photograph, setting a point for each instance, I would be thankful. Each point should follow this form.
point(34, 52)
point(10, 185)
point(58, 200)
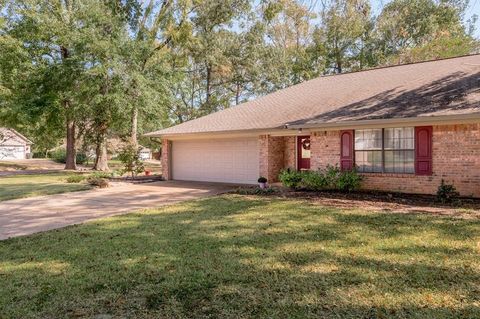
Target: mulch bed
point(138, 179)
point(383, 202)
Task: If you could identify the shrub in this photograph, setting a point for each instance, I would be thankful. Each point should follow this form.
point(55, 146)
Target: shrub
point(130, 157)
point(101, 175)
point(314, 181)
point(82, 158)
point(99, 182)
point(331, 178)
point(290, 178)
point(447, 193)
point(75, 178)
point(349, 181)
point(60, 156)
point(38, 155)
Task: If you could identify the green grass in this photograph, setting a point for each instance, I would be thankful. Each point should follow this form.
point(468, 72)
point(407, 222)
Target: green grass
point(242, 257)
point(20, 186)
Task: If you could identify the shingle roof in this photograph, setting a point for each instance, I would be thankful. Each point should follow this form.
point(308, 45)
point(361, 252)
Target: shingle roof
point(433, 88)
point(10, 137)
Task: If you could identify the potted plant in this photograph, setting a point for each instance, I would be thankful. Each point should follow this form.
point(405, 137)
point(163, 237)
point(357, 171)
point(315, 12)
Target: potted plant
point(262, 182)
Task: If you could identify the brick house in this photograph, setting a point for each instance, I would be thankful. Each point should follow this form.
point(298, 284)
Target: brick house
point(405, 128)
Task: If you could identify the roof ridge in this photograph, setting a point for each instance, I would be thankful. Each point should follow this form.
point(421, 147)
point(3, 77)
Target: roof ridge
point(397, 65)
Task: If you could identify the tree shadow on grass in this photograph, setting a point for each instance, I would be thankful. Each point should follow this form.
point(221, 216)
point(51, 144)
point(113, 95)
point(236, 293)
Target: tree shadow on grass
point(22, 190)
point(232, 257)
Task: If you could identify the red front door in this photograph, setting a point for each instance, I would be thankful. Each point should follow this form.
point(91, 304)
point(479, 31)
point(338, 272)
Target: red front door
point(303, 152)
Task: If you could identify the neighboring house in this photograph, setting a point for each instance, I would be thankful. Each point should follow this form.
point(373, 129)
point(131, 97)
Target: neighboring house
point(13, 145)
point(405, 127)
point(145, 154)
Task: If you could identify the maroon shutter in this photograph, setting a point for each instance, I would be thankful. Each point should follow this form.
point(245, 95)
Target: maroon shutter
point(346, 150)
point(423, 150)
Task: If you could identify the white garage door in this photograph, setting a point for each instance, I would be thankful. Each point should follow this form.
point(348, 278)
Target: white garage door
point(216, 160)
point(12, 152)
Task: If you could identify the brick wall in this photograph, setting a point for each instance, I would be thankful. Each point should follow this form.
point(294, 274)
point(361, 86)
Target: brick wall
point(289, 152)
point(271, 156)
point(456, 158)
point(166, 153)
point(324, 149)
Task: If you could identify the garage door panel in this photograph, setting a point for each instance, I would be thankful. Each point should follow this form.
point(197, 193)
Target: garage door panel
point(232, 160)
point(12, 152)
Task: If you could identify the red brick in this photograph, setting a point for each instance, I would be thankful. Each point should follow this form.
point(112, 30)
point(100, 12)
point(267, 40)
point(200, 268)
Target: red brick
point(166, 155)
point(456, 159)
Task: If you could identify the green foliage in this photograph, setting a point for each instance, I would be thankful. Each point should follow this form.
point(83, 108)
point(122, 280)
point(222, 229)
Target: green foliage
point(331, 178)
point(101, 174)
point(447, 193)
point(314, 181)
point(130, 157)
point(60, 156)
point(77, 178)
point(290, 178)
point(348, 181)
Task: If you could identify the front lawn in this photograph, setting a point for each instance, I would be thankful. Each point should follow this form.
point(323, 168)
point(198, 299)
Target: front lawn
point(19, 186)
point(233, 256)
point(4, 165)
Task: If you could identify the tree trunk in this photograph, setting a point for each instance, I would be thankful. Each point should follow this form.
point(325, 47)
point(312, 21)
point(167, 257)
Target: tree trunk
point(237, 94)
point(208, 84)
point(134, 126)
point(71, 160)
point(101, 159)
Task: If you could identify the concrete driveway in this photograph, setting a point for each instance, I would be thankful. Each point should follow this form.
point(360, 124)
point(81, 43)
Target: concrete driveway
point(30, 215)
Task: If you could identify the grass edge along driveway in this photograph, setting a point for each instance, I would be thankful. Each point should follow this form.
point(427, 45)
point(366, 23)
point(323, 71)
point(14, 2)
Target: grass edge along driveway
point(233, 256)
point(21, 186)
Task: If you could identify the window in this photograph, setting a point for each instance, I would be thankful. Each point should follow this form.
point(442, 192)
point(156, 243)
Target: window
point(390, 150)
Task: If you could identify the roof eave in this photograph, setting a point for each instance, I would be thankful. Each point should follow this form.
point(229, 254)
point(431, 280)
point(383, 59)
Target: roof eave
point(226, 133)
point(431, 120)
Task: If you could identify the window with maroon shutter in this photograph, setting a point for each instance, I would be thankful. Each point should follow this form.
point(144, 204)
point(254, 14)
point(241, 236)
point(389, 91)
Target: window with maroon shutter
point(423, 150)
point(346, 150)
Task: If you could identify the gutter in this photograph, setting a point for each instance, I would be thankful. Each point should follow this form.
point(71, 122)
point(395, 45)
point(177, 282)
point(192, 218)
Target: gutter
point(427, 120)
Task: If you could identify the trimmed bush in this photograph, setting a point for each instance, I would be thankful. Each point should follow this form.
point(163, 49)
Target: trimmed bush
point(447, 193)
point(82, 158)
point(314, 181)
point(60, 156)
point(101, 174)
point(331, 178)
point(348, 181)
point(76, 178)
point(290, 178)
point(99, 182)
